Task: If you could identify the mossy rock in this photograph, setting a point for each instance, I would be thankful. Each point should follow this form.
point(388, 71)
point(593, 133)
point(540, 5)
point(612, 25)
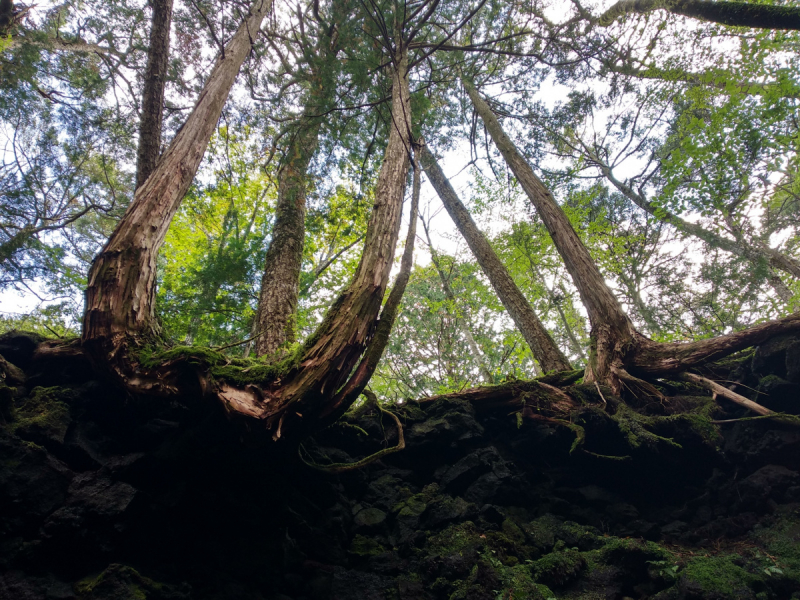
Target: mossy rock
point(364, 547)
point(121, 582)
point(43, 416)
point(717, 578)
point(557, 569)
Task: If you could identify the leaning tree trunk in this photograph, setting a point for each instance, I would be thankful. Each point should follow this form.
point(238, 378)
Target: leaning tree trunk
point(121, 289)
point(613, 333)
point(155, 79)
point(737, 14)
point(618, 349)
point(542, 345)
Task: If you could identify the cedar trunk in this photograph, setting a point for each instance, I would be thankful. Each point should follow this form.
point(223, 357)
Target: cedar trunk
point(613, 333)
point(280, 284)
point(542, 345)
point(121, 288)
point(618, 349)
point(307, 396)
point(155, 79)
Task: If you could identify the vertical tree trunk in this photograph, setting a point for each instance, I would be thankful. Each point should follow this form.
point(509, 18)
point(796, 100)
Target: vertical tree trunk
point(544, 349)
point(121, 289)
point(155, 79)
point(280, 284)
point(613, 333)
point(477, 355)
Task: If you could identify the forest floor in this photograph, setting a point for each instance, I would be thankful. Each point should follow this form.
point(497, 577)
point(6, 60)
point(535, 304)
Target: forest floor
point(103, 495)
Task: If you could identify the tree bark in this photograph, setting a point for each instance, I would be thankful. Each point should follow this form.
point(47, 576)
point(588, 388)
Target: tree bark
point(121, 289)
point(737, 14)
point(369, 362)
point(328, 357)
point(618, 347)
point(155, 80)
point(280, 284)
point(462, 323)
point(544, 349)
point(613, 333)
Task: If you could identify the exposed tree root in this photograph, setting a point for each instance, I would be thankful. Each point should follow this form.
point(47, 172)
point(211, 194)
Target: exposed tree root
point(334, 468)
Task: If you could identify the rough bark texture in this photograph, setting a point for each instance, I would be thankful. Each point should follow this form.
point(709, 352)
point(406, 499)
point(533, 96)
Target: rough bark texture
point(665, 359)
point(544, 349)
point(738, 14)
point(612, 331)
point(328, 357)
point(618, 347)
point(369, 362)
point(462, 324)
point(155, 79)
point(121, 288)
point(277, 301)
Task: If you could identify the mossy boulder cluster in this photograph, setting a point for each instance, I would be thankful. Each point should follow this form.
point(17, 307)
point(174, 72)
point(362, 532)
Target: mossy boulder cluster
point(107, 496)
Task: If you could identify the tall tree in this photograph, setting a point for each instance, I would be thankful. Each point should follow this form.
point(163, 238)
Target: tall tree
point(155, 80)
point(280, 285)
point(617, 348)
point(121, 289)
point(544, 349)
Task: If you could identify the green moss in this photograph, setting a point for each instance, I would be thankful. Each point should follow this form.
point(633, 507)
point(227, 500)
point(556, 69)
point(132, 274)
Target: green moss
point(237, 371)
point(461, 538)
point(558, 568)
point(781, 540)
point(617, 550)
point(364, 546)
point(718, 575)
point(636, 430)
point(43, 414)
point(518, 584)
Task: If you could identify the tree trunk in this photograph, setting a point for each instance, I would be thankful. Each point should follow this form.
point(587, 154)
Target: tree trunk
point(280, 284)
point(369, 362)
point(544, 349)
point(121, 289)
point(612, 331)
point(737, 14)
point(618, 347)
point(301, 400)
point(155, 79)
point(477, 355)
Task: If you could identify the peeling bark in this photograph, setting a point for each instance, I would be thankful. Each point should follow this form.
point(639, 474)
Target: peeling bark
point(328, 357)
point(613, 333)
point(121, 289)
point(619, 351)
